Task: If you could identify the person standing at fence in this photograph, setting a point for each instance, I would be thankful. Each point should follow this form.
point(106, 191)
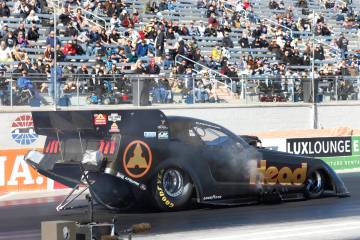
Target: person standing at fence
point(343, 43)
point(160, 43)
point(85, 81)
point(151, 68)
point(54, 87)
point(27, 92)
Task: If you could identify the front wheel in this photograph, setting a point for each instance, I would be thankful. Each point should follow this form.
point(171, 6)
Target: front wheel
point(172, 189)
point(315, 184)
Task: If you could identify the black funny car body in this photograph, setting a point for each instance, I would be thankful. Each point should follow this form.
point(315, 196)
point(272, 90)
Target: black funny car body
point(127, 156)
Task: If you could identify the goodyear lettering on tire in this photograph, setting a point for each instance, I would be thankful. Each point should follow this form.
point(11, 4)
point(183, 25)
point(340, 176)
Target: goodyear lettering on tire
point(160, 191)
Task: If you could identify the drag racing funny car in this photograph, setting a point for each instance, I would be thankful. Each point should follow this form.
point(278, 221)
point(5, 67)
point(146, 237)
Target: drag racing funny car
point(128, 156)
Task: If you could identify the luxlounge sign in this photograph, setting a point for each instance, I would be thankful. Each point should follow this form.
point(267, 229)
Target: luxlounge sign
point(323, 147)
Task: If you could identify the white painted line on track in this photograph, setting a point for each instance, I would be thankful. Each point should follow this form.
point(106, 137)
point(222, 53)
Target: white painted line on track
point(7, 195)
point(334, 228)
point(355, 170)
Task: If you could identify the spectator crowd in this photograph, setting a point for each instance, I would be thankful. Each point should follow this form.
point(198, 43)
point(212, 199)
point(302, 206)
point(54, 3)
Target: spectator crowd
point(97, 46)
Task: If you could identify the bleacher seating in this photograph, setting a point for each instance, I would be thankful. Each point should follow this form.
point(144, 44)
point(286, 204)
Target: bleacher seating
point(188, 13)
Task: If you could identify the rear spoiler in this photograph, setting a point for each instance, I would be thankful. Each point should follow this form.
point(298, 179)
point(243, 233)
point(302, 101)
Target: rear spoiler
point(98, 122)
point(46, 123)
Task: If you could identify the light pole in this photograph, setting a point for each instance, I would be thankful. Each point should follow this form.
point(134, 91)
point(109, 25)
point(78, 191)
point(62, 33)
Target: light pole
point(55, 6)
point(314, 105)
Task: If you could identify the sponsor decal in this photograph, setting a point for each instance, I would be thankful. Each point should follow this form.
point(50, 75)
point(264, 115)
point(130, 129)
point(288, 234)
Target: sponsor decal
point(114, 128)
point(22, 130)
point(137, 159)
point(163, 135)
point(162, 126)
point(131, 181)
point(114, 117)
point(52, 147)
point(107, 147)
point(160, 191)
point(191, 133)
point(17, 175)
point(321, 147)
point(213, 197)
point(207, 125)
point(284, 176)
point(99, 119)
point(149, 134)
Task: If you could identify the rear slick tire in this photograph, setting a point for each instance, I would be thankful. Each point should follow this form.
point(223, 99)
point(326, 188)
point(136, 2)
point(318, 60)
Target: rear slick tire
point(315, 185)
point(172, 189)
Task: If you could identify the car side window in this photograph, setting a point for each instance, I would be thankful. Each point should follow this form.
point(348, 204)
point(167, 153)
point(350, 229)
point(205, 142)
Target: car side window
point(182, 131)
point(211, 136)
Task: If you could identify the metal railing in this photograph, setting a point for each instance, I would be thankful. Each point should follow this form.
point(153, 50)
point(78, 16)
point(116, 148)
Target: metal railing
point(91, 89)
point(262, 18)
point(210, 70)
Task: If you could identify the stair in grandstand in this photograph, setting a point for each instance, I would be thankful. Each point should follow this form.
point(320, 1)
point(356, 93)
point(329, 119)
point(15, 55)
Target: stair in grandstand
point(224, 93)
point(221, 82)
point(93, 19)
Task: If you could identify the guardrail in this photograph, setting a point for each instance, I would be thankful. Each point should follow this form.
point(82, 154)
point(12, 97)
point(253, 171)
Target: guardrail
point(89, 89)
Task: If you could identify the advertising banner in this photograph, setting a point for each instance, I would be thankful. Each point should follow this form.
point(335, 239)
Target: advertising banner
point(341, 153)
point(17, 138)
point(17, 175)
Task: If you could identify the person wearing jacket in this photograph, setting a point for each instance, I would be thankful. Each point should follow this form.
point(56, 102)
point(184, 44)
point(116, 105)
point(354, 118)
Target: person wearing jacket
point(142, 49)
point(69, 48)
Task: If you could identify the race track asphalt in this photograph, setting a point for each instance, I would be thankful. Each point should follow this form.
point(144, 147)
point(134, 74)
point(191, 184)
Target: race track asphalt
point(24, 221)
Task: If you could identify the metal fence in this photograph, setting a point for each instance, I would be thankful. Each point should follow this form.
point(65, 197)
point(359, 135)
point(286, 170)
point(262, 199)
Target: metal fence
point(106, 89)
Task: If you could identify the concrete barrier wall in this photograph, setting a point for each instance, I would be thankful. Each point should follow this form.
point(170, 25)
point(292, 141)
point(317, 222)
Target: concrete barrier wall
point(339, 116)
point(251, 119)
point(17, 134)
point(241, 120)
point(274, 118)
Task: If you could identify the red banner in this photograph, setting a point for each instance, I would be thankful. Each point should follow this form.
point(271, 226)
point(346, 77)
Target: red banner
point(17, 175)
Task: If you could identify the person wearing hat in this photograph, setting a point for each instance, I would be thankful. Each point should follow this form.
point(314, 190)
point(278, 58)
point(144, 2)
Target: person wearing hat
point(125, 19)
point(69, 48)
point(168, 61)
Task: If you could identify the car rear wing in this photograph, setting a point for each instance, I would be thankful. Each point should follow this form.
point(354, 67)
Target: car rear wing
point(137, 123)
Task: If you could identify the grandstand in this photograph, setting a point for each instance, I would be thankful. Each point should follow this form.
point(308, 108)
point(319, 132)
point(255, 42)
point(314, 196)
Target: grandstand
point(178, 51)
